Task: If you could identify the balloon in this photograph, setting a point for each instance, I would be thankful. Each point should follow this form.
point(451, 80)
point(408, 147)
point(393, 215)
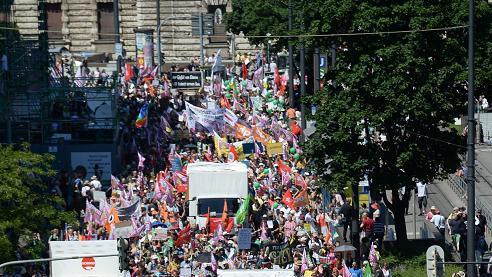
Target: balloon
point(268, 94)
point(275, 102)
point(226, 83)
point(256, 185)
point(281, 100)
point(266, 170)
point(292, 150)
point(275, 205)
point(228, 88)
point(228, 95)
point(297, 156)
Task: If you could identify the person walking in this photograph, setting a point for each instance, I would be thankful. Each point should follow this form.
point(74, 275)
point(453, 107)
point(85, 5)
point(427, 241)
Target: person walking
point(422, 193)
point(346, 213)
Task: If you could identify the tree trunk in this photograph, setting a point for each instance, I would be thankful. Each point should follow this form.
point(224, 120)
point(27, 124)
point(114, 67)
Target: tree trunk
point(397, 206)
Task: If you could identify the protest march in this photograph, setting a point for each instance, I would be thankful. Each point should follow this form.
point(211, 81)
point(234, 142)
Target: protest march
point(217, 181)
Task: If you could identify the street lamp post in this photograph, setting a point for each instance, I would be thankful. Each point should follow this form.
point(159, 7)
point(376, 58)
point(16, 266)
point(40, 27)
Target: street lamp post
point(291, 60)
point(268, 50)
point(470, 159)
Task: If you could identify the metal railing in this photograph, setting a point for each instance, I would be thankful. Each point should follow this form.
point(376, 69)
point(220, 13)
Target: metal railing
point(458, 185)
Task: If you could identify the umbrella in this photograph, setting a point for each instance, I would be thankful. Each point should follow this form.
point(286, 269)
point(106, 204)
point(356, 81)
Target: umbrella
point(203, 257)
point(345, 248)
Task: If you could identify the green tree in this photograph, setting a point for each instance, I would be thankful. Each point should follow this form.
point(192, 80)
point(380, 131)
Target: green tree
point(26, 205)
point(407, 87)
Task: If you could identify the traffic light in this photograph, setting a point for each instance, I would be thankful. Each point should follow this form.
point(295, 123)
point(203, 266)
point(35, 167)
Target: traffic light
point(435, 259)
point(122, 253)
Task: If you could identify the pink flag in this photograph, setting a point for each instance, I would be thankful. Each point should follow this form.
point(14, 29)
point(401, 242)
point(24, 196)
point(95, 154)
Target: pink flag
point(263, 235)
point(304, 265)
point(141, 161)
point(345, 270)
point(372, 255)
point(285, 179)
point(154, 72)
point(213, 262)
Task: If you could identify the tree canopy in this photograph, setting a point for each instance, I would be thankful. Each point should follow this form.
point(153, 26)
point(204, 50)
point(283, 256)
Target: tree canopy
point(26, 204)
point(406, 88)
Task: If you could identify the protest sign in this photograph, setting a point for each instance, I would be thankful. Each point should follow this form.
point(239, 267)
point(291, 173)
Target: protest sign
point(248, 148)
point(175, 163)
point(244, 238)
point(274, 148)
point(280, 254)
point(123, 229)
point(159, 234)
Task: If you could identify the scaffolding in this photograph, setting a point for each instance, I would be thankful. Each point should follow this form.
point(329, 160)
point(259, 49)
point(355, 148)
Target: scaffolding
point(44, 101)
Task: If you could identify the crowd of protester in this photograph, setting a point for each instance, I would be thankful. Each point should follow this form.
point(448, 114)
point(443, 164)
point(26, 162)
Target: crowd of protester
point(311, 239)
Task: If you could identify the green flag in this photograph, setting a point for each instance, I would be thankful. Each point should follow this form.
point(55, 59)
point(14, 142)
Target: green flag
point(242, 212)
point(367, 270)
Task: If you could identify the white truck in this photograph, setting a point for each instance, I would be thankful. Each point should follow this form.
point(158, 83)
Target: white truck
point(210, 184)
point(256, 273)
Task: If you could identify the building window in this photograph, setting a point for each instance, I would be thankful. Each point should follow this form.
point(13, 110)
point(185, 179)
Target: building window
point(218, 11)
point(54, 14)
point(105, 21)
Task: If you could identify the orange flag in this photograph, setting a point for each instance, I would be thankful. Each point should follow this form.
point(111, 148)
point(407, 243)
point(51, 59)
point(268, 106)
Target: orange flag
point(112, 219)
point(164, 213)
point(242, 132)
point(261, 136)
point(301, 199)
point(224, 213)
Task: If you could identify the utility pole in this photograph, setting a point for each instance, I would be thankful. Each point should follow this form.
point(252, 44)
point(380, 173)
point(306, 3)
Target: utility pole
point(158, 33)
point(333, 61)
point(470, 160)
point(316, 76)
point(291, 60)
point(201, 39)
point(116, 12)
point(303, 85)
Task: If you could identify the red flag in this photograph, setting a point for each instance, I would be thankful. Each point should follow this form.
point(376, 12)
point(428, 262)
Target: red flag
point(283, 168)
point(230, 225)
point(245, 72)
point(296, 130)
point(128, 72)
point(233, 153)
point(208, 221)
point(277, 77)
point(288, 200)
point(184, 236)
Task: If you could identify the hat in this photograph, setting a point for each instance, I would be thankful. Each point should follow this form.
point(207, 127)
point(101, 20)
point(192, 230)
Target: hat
point(154, 257)
point(94, 178)
point(264, 216)
point(433, 208)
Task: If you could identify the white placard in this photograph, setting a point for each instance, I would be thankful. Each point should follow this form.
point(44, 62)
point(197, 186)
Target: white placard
point(89, 159)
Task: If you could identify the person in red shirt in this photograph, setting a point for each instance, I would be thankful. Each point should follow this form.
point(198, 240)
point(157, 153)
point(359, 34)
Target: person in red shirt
point(367, 225)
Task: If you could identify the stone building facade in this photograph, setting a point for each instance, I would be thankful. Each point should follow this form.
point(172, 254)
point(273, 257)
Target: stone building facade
point(88, 26)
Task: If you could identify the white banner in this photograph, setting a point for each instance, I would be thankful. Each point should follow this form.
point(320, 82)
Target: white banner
point(212, 119)
point(230, 118)
point(86, 267)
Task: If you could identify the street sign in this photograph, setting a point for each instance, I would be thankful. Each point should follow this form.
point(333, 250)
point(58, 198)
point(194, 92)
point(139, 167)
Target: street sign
point(435, 260)
point(118, 49)
point(186, 80)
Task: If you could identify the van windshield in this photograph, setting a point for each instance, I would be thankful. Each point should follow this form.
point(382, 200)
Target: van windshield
point(217, 205)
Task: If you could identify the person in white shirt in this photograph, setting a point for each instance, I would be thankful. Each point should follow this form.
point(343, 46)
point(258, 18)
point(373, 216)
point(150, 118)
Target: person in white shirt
point(440, 222)
point(422, 196)
point(95, 183)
